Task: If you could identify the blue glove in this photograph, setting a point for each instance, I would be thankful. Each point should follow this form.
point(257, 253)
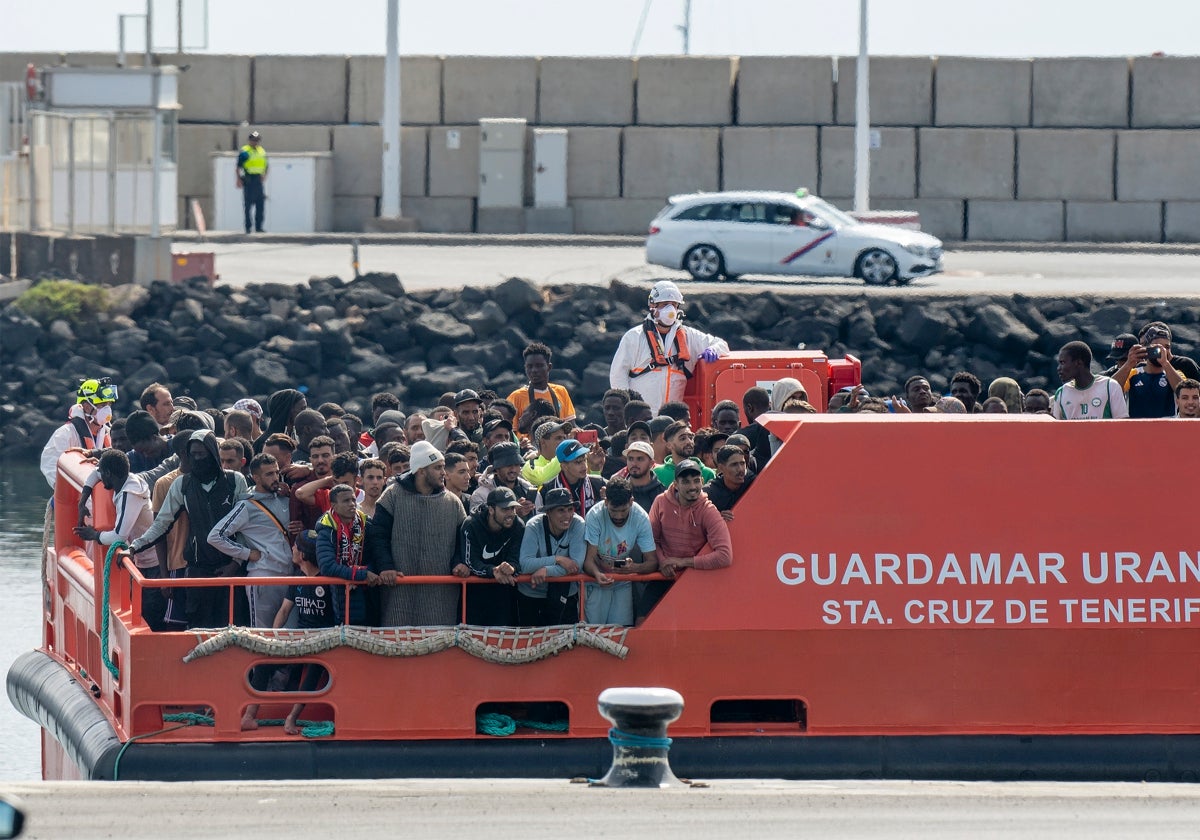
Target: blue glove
point(710, 354)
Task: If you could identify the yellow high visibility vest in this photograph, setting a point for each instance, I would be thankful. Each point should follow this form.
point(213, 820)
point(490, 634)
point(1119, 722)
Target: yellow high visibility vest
point(256, 160)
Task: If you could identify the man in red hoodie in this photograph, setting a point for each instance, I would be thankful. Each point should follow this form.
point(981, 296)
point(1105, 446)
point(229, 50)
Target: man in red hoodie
point(688, 529)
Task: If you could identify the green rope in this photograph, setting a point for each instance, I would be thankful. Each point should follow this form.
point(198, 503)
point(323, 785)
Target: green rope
point(104, 656)
point(494, 723)
point(308, 728)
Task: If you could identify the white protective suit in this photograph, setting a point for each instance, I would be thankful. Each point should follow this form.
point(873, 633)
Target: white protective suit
point(661, 385)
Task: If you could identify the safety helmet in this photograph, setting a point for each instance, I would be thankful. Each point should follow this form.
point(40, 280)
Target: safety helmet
point(96, 391)
point(664, 291)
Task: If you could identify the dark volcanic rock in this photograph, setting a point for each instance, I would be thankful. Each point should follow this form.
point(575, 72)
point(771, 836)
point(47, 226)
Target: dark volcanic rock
point(516, 294)
point(439, 328)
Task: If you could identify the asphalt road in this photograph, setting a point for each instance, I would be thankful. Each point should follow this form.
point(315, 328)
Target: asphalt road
point(528, 810)
point(1128, 273)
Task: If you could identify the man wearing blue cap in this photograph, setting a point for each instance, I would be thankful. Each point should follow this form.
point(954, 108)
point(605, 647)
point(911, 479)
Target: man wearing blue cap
point(586, 491)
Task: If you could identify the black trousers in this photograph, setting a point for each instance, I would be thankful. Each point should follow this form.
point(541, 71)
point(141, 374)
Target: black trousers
point(254, 197)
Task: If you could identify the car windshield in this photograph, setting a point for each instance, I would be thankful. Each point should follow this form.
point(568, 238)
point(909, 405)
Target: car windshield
point(830, 213)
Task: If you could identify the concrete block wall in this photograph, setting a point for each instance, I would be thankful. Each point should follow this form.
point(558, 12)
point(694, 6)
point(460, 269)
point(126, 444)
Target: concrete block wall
point(761, 158)
point(1053, 148)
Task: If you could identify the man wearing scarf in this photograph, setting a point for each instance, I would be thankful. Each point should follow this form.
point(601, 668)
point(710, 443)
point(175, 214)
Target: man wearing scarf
point(585, 491)
point(341, 535)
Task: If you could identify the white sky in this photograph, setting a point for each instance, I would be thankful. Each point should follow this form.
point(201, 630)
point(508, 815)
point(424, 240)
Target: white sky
point(606, 27)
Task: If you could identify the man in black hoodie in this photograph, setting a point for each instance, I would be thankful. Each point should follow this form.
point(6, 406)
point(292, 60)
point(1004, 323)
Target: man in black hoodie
point(490, 547)
point(207, 493)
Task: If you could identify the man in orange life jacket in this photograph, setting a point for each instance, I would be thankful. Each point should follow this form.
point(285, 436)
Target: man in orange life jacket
point(658, 357)
point(87, 426)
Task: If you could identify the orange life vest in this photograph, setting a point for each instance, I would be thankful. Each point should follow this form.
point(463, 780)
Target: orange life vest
point(658, 354)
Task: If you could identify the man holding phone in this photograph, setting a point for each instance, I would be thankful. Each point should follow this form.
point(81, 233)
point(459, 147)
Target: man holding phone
point(619, 543)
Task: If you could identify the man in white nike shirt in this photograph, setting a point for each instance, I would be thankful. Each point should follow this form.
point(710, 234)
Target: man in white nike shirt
point(490, 547)
point(1084, 396)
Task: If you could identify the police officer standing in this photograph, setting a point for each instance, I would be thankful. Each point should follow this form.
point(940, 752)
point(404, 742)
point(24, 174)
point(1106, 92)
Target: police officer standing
point(252, 175)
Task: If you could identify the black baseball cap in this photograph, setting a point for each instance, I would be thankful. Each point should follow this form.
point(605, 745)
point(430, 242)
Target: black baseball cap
point(466, 395)
point(558, 497)
point(498, 423)
point(502, 497)
point(1120, 347)
point(688, 465)
point(640, 424)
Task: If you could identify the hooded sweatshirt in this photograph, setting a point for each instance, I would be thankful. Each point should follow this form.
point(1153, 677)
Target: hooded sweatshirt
point(783, 389)
point(698, 531)
point(257, 529)
point(198, 551)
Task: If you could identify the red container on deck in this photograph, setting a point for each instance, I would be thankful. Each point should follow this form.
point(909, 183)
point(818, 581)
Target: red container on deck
point(729, 378)
point(187, 266)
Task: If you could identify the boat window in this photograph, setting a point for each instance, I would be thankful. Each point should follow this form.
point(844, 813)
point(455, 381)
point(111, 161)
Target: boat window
point(759, 714)
point(523, 717)
point(287, 676)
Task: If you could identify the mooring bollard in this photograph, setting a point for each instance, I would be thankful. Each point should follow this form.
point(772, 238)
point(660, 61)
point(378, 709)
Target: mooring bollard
point(640, 717)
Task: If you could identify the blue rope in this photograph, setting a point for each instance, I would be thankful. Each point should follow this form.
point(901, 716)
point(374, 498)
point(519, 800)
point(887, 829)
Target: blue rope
point(628, 739)
point(308, 728)
point(104, 655)
point(494, 723)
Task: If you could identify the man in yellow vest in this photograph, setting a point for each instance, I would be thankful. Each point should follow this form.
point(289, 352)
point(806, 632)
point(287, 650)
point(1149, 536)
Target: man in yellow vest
point(252, 175)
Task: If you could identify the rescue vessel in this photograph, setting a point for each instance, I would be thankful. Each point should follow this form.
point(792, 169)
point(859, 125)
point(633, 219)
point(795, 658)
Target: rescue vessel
point(951, 597)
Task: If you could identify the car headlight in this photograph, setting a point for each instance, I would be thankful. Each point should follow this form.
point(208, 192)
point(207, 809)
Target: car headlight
point(916, 250)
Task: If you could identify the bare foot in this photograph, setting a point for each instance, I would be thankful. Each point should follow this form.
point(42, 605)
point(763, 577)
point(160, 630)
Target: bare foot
point(290, 727)
point(249, 723)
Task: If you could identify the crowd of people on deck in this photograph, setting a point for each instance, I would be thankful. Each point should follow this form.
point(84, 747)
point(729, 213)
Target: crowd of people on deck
point(519, 493)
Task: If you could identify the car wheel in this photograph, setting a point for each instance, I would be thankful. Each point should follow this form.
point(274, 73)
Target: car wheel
point(876, 267)
point(704, 263)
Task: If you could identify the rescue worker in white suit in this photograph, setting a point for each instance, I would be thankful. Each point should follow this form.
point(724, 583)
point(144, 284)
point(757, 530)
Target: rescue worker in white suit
point(658, 356)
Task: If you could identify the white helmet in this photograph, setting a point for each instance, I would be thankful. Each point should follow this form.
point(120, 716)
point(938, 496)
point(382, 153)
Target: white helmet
point(665, 291)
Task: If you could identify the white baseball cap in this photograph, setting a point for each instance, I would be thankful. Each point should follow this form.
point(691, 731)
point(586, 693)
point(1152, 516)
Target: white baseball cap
point(640, 446)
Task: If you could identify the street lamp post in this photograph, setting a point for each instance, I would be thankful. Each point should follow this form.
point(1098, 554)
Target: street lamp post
point(862, 119)
point(389, 206)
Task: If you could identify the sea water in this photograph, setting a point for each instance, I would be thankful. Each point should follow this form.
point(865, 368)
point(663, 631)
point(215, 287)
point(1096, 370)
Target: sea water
point(23, 496)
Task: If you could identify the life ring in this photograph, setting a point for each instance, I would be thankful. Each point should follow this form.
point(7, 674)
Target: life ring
point(33, 86)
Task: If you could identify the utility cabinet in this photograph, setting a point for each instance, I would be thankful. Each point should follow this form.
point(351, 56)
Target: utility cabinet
point(549, 167)
point(501, 163)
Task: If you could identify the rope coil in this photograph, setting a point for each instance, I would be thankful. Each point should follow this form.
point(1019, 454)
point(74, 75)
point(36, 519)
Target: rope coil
point(619, 738)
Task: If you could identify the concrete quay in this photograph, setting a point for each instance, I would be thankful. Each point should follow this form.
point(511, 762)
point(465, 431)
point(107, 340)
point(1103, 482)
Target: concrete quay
point(529, 810)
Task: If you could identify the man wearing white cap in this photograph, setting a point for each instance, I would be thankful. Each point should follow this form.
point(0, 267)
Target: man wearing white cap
point(658, 357)
point(414, 531)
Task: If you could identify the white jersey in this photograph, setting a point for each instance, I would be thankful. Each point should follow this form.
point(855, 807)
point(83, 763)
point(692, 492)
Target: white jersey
point(1103, 400)
point(663, 384)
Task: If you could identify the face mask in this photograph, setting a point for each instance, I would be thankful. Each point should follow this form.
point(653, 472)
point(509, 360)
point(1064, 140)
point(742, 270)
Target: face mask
point(205, 469)
point(103, 414)
point(667, 315)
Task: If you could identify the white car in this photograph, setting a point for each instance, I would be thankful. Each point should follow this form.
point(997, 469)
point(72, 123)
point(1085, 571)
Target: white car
point(725, 234)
